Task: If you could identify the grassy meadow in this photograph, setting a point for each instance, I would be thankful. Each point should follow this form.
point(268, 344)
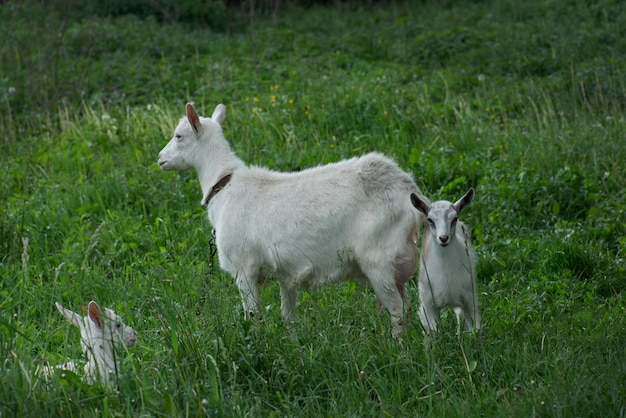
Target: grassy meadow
point(525, 101)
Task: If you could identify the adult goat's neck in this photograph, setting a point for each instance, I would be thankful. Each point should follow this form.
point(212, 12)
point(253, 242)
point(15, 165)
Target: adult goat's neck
point(218, 162)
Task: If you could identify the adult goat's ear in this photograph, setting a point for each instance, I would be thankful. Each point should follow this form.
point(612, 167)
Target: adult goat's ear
point(219, 114)
point(467, 198)
point(94, 312)
point(420, 204)
point(193, 118)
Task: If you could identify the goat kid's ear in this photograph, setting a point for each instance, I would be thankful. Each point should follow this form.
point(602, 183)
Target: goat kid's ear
point(420, 204)
point(73, 317)
point(465, 200)
point(219, 114)
point(193, 118)
point(94, 312)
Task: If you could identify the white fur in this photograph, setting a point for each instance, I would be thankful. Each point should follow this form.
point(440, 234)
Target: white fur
point(447, 276)
point(102, 334)
point(351, 219)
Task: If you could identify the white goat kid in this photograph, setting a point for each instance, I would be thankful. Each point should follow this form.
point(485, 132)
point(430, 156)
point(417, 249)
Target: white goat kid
point(447, 276)
point(102, 334)
point(350, 219)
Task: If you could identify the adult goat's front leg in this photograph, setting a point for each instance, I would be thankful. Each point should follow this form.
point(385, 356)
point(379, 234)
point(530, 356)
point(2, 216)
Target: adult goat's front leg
point(248, 284)
point(289, 291)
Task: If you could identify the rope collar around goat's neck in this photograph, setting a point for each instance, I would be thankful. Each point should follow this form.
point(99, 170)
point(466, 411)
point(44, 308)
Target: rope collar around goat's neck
point(217, 188)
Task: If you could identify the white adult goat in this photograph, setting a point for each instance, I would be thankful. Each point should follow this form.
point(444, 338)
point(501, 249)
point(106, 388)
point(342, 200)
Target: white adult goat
point(351, 219)
point(102, 333)
point(447, 276)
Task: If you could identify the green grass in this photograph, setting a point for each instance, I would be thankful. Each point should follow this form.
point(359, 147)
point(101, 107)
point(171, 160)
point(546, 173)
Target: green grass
point(525, 101)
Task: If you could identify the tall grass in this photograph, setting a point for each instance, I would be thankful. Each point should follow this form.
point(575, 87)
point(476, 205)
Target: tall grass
point(523, 101)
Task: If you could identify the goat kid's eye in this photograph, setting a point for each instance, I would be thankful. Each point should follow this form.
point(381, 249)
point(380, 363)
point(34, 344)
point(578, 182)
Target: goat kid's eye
point(178, 137)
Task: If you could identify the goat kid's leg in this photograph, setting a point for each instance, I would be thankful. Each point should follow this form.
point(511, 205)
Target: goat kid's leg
point(248, 285)
point(477, 319)
point(471, 314)
point(468, 315)
point(428, 312)
point(461, 317)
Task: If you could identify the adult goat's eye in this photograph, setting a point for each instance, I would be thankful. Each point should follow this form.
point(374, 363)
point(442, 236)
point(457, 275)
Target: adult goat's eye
point(178, 137)
point(430, 222)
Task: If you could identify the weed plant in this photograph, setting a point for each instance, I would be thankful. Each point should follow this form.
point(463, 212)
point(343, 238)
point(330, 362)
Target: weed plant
point(525, 101)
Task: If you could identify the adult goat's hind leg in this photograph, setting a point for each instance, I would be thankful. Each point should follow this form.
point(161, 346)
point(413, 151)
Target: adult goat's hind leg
point(288, 300)
point(405, 265)
point(383, 282)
